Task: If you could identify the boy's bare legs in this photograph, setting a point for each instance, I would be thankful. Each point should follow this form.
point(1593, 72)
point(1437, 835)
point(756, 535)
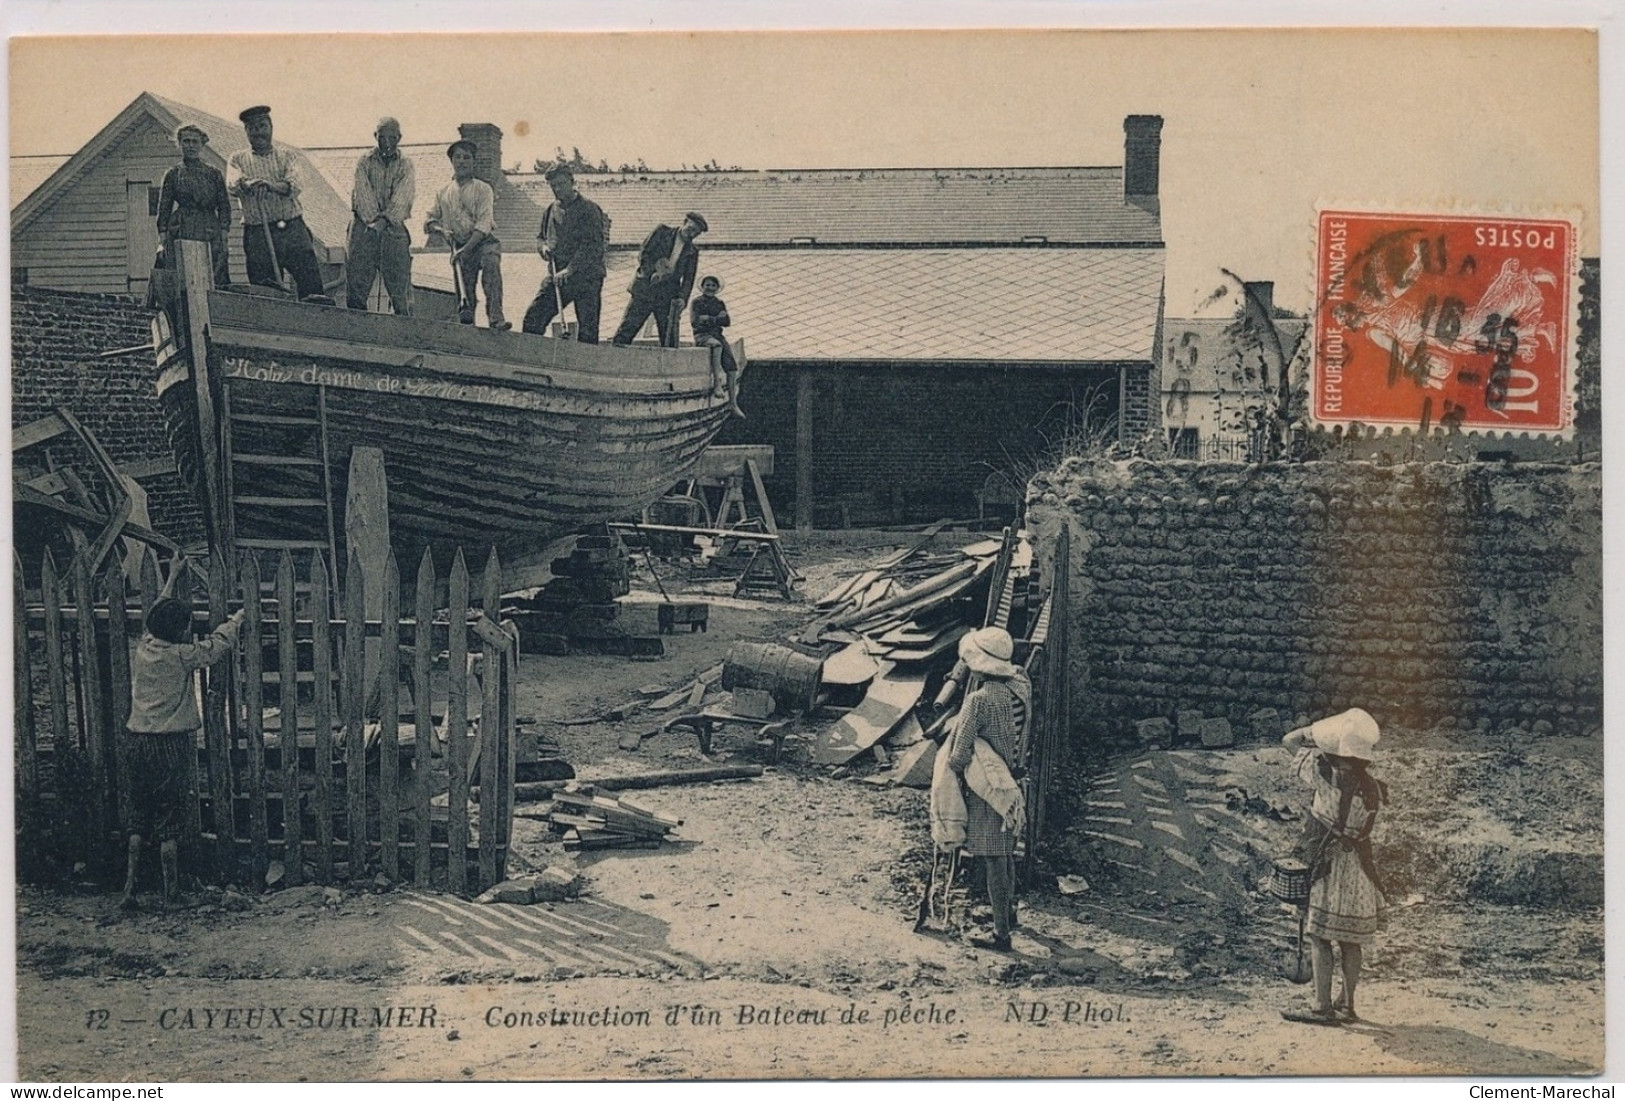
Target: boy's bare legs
point(132, 861)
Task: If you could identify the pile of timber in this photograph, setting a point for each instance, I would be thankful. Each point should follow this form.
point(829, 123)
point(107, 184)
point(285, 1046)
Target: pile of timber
point(587, 821)
point(578, 609)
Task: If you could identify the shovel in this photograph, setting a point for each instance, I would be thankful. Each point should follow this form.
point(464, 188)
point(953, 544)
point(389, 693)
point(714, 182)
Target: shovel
point(562, 330)
point(1300, 971)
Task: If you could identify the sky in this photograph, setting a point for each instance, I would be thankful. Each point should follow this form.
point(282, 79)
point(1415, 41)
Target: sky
point(1260, 126)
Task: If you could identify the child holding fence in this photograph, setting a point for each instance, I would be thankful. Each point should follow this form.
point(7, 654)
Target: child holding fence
point(163, 727)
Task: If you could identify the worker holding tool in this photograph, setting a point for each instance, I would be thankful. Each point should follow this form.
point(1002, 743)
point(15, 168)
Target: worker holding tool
point(464, 213)
point(380, 241)
point(572, 239)
point(667, 265)
point(265, 179)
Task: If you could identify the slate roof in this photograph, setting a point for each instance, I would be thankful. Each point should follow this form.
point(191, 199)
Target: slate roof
point(990, 305)
point(1211, 356)
point(518, 213)
point(326, 213)
point(876, 206)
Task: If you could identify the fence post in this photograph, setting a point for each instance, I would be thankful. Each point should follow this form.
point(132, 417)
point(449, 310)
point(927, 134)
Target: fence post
point(423, 719)
point(352, 688)
point(94, 695)
point(118, 664)
point(491, 748)
point(51, 595)
point(321, 664)
point(293, 852)
point(389, 721)
point(23, 728)
point(457, 730)
point(254, 714)
point(218, 734)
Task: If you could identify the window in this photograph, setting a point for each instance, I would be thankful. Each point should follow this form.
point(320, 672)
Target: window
point(1183, 443)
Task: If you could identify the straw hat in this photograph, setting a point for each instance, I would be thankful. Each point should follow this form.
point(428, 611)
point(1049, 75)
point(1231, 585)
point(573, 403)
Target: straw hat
point(988, 651)
point(1354, 733)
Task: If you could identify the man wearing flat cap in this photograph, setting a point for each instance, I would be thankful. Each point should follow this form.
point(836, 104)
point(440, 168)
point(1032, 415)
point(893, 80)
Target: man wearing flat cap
point(573, 235)
point(379, 239)
point(265, 179)
point(666, 268)
point(193, 204)
point(464, 213)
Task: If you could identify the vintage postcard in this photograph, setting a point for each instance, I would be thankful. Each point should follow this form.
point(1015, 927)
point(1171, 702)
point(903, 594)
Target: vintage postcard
point(890, 554)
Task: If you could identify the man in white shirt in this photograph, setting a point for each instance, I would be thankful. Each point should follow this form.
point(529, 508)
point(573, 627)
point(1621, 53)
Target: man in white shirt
point(464, 214)
point(265, 179)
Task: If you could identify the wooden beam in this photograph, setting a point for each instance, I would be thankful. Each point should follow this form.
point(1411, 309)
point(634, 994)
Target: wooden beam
point(720, 533)
point(804, 450)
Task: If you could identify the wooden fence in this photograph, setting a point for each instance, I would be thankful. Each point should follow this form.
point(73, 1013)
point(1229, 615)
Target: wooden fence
point(427, 797)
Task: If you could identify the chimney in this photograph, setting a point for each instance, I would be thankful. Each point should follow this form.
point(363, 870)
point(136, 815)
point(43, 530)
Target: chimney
point(1142, 156)
point(1263, 293)
point(487, 138)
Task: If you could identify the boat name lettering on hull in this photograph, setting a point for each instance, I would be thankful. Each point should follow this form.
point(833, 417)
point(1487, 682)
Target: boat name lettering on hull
point(438, 389)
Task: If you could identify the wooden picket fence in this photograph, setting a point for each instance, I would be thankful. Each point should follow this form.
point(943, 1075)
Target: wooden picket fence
point(298, 680)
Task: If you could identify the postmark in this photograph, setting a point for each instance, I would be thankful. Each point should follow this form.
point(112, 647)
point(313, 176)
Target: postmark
point(1444, 321)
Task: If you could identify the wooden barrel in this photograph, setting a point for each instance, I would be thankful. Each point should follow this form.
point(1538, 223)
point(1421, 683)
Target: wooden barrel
point(790, 675)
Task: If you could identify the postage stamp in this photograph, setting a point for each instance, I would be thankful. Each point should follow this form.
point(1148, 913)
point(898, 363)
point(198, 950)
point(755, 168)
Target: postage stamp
point(1454, 321)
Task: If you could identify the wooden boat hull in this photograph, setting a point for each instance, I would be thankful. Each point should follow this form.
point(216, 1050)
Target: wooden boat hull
point(503, 440)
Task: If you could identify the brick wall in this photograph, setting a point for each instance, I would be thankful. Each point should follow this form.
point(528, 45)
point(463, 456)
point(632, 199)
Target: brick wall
point(905, 443)
point(56, 339)
point(1426, 593)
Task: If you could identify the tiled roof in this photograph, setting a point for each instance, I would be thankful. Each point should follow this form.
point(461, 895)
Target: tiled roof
point(518, 213)
point(884, 206)
point(994, 305)
point(1217, 355)
point(27, 173)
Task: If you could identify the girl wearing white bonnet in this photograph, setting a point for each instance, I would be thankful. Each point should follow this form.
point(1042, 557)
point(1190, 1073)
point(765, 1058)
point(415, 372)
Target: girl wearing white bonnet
point(996, 714)
point(1345, 895)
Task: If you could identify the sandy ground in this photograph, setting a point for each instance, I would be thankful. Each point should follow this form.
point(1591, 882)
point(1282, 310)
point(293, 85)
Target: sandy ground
point(774, 939)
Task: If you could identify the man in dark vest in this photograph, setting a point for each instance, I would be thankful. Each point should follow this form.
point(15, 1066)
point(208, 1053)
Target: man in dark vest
point(665, 278)
point(572, 239)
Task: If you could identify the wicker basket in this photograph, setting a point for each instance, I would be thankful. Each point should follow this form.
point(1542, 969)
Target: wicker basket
point(1289, 880)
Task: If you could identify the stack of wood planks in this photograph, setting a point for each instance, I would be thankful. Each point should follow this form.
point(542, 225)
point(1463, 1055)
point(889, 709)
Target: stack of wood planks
point(588, 821)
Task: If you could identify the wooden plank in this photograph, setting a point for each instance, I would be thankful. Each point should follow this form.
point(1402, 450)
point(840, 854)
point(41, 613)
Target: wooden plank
point(217, 733)
point(254, 719)
point(55, 660)
point(932, 587)
point(457, 730)
point(422, 709)
point(288, 704)
point(366, 535)
point(149, 581)
point(118, 653)
point(197, 278)
point(492, 750)
point(352, 689)
point(849, 666)
point(23, 730)
point(762, 502)
point(804, 449)
point(891, 696)
point(723, 460)
point(37, 432)
point(718, 532)
point(510, 735)
point(322, 663)
point(93, 694)
point(389, 718)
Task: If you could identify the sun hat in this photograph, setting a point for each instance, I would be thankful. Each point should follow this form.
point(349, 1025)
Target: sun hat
point(1353, 733)
point(988, 651)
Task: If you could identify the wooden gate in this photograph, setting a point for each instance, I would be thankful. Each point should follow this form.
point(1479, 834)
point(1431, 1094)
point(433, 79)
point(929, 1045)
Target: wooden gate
point(408, 775)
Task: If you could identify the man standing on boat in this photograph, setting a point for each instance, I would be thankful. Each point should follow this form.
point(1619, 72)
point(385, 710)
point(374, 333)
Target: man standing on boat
point(265, 179)
point(385, 186)
point(665, 279)
point(464, 213)
point(572, 239)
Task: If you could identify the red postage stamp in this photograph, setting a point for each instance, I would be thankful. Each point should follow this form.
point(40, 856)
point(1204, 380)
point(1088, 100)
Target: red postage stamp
point(1433, 320)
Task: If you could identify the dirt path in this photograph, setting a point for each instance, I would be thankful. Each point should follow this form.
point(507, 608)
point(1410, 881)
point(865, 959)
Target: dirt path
point(774, 940)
